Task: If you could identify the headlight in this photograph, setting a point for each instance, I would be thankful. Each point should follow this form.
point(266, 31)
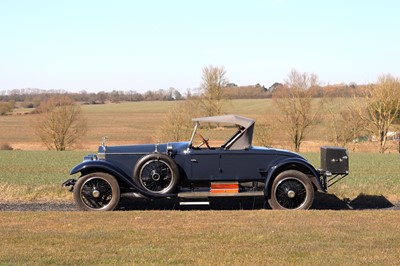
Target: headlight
point(90, 157)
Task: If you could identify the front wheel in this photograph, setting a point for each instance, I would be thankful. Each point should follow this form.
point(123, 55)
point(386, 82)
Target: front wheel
point(291, 190)
point(97, 192)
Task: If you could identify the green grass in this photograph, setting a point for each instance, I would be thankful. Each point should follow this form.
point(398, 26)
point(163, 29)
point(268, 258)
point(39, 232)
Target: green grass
point(370, 174)
point(37, 167)
point(240, 237)
point(37, 175)
point(201, 238)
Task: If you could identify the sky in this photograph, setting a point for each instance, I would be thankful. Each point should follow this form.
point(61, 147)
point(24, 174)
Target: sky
point(102, 45)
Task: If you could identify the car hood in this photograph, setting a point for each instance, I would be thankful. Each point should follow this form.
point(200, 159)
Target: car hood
point(143, 148)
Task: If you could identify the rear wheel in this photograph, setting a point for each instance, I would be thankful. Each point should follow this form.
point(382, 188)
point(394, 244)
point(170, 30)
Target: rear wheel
point(96, 192)
point(291, 190)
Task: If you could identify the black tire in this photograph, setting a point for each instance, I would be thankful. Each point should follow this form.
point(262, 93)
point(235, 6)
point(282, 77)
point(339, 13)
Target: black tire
point(291, 190)
point(156, 173)
point(97, 192)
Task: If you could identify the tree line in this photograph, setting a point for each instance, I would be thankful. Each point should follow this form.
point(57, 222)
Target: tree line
point(373, 110)
point(32, 97)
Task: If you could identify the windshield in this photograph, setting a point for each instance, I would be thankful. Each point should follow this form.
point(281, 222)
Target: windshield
point(216, 135)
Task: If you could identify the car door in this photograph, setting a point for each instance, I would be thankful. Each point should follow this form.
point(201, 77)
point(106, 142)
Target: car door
point(242, 165)
point(204, 164)
point(233, 165)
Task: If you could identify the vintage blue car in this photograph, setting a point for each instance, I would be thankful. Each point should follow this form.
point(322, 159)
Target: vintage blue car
point(195, 173)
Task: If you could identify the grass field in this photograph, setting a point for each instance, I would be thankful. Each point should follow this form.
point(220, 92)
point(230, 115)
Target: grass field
point(240, 237)
point(201, 238)
point(370, 174)
point(37, 175)
point(138, 122)
point(207, 237)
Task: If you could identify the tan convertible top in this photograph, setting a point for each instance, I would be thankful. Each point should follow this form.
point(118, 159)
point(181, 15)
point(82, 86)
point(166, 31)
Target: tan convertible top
point(229, 119)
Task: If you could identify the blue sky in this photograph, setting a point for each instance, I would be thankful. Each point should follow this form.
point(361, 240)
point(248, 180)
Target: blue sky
point(149, 45)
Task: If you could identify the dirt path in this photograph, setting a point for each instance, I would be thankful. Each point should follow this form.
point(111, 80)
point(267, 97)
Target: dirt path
point(321, 202)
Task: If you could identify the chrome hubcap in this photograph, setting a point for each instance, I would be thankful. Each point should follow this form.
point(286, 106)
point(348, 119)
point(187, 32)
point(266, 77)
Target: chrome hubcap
point(155, 176)
point(95, 193)
point(291, 194)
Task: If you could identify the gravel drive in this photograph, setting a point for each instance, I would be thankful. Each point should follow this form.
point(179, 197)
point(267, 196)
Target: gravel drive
point(37, 206)
point(322, 202)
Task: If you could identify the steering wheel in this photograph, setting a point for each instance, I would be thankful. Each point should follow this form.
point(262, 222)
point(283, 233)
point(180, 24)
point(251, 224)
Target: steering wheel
point(205, 141)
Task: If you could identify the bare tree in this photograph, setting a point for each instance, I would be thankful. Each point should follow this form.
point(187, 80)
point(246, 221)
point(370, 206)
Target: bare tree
point(6, 107)
point(177, 125)
point(345, 123)
point(382, 107)
point(61, 123)
point(263, 133)
point(213, 82)
point(295, 103)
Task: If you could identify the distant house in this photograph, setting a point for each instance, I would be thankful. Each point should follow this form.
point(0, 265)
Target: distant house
point(391, 135)
point(231, 84)
point(274, 86)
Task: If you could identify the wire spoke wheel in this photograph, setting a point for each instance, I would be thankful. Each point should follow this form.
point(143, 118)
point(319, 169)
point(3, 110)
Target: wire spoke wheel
point(156, 176)
point(291, 190)
point(291, 193)
point(97, 191)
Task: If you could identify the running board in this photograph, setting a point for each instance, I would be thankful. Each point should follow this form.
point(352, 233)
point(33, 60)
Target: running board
point(208, 194)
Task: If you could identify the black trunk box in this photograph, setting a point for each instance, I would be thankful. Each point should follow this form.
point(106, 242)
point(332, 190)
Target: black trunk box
point(334, 160)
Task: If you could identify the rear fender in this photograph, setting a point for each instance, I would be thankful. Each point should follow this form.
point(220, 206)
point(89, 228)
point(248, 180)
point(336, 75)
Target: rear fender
point(103, 166)
point(293, 164)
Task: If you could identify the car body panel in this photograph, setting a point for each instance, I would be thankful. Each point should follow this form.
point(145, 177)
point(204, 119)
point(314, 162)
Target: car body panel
point(234, 161)
point(199, 164)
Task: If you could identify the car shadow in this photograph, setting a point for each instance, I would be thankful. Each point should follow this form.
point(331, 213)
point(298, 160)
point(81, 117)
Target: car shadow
point(322, 201)
point(361, 202)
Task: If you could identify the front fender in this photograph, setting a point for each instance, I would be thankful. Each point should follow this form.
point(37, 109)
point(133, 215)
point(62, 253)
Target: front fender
point(293, 164)
point(90, 166)
point(104, 166)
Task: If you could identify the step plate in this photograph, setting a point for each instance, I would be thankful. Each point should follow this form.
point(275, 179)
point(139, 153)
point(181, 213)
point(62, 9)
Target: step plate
point(224, 187)
point(207, 194)
point(193, 203)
